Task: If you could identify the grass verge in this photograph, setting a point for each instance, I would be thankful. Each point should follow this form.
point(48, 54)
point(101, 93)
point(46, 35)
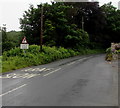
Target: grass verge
point(16, 58)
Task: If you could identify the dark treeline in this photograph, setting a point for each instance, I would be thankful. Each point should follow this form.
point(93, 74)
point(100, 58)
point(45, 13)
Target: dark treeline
point(72, 24)
point(11, 39)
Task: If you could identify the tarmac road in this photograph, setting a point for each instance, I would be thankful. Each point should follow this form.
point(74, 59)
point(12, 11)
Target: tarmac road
point(76, 81)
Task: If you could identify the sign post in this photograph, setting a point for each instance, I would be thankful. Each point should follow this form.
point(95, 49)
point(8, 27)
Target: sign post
point(24, 45)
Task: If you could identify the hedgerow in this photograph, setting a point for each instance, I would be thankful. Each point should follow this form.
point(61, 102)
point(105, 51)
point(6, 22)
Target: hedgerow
point(16, 58)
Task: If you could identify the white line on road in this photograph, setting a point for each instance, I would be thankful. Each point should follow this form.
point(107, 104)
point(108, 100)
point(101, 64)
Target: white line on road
point(71, 63)
point(28, 69)
point(52, 72)
point(36, 69)
point(32, 75)
point(13, 90)
point(25, 75)
point(42, 69)
point(82, 59)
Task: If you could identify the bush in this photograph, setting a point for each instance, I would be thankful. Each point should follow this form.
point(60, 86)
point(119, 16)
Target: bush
point(108, 50)
point(16, 58)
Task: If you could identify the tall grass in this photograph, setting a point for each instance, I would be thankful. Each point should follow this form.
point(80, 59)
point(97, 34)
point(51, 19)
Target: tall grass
point(16, 58)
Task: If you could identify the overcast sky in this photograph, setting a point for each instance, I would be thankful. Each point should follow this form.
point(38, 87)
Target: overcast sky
point(12, 10)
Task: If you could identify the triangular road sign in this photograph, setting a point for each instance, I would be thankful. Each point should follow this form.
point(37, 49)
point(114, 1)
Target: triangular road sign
point(24, 41)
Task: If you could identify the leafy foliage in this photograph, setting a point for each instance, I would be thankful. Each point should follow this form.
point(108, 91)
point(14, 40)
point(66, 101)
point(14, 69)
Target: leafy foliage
point(58, 29)
point(6, 44)
point(16, 58)
point(15, 37)
point(68, 24)
point(112, 28)
point(11, 39)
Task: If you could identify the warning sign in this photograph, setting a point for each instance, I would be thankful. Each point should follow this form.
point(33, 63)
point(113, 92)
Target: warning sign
point(24, 44)
point(24, 41)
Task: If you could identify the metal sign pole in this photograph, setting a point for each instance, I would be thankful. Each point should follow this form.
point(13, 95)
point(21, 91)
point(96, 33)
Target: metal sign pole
point(24, 52)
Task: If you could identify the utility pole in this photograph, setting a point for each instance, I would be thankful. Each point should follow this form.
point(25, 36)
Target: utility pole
point(82, 23)
point(41, 34)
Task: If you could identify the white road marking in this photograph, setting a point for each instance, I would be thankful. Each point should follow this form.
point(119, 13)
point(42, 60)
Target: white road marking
point(28, 69)
point(47, 69)
point(33, 70)
point(26, 75)
point(82, 59)
point(13, 90)
point(36, 69)
point(52, 72)
point(42, 69)
point(71, 63)
point(15, 76)
point(33, 75)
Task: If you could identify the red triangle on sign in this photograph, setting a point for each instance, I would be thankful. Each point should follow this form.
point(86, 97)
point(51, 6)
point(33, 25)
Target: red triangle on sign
point(24, 41)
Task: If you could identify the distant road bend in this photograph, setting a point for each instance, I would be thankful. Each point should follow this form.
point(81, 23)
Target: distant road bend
point(76, 81)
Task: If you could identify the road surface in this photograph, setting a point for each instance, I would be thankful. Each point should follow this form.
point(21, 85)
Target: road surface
point(76, 81)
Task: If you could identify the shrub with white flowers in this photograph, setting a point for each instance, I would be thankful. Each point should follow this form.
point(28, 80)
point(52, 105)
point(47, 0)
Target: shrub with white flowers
point(113, 51)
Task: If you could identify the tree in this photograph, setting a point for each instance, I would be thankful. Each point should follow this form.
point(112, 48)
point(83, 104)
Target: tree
point(49, 33)
point(76, 37)
point(63, 24)
point(6, 44)
point(30, 24)
point(112, 28)
point(15, 37)
point(88, 16)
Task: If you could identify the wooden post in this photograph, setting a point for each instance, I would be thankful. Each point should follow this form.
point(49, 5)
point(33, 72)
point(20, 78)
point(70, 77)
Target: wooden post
point(82, 23)
point(41, 34)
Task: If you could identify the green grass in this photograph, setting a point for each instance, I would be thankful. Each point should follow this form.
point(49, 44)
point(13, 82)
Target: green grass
point(16, 58)
point(0, 64)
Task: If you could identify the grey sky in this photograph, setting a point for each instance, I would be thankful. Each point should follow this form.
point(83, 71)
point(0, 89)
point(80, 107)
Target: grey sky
point(12, 10)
